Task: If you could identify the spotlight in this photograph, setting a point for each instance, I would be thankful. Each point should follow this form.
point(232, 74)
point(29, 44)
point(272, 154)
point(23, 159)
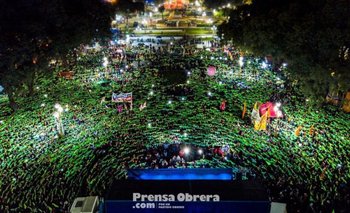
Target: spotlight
point(187, 150)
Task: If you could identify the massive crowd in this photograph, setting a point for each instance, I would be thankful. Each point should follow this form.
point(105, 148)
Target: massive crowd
point(42, 172)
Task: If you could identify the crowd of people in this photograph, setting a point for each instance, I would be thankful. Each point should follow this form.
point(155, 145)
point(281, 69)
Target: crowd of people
point(42, 171)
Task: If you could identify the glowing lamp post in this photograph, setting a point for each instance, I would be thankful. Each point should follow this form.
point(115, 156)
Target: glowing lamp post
point(241, 63)
point(58, 119)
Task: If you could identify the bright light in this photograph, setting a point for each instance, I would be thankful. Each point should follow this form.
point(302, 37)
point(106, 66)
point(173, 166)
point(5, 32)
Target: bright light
point(152, 85)
point(149, 125)
point(56, 115)
point(42, 105)
point(241, 63)
point(197, 3)
point(214, 11)
point(279, 114)
point(185, 134)
point(57, 106)
point(263, 65)
point(200, 9)
point(188, 73)
point(284, 65)
point(200, 151)
point(209, 93)
point(45, 95)
point(60, 110)
point(169, 102)
point(220, 82)
point(186, 150)
point(105, 61)
point(183, 98)
point(118, 17)
point(151, 93)
point(278, 104)
point(110, 1)
point(188, 82)
point(204, 14)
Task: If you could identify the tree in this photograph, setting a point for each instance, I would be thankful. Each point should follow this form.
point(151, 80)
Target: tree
point(312, 36)
point(35, 31)
point(215, 4)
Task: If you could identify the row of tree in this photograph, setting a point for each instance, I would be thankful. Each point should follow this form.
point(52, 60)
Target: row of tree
point(313, 37)
point(33, 32)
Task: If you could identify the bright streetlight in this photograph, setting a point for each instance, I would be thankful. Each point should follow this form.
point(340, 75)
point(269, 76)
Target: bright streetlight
point(200, 151)
point(58, 119)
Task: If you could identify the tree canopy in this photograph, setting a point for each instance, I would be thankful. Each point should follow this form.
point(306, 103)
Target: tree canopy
point(313, 37)
point(34, 31)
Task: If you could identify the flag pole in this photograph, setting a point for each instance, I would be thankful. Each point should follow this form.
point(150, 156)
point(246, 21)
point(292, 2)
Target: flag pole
point(131, 103)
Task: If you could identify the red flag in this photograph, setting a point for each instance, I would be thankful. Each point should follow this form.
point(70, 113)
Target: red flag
point(223, 105)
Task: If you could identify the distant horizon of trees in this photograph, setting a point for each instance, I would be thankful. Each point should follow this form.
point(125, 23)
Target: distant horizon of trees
point(313, 37)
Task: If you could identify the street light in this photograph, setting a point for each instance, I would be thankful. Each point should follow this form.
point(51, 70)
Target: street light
point(241, 63)
point(58, 119)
